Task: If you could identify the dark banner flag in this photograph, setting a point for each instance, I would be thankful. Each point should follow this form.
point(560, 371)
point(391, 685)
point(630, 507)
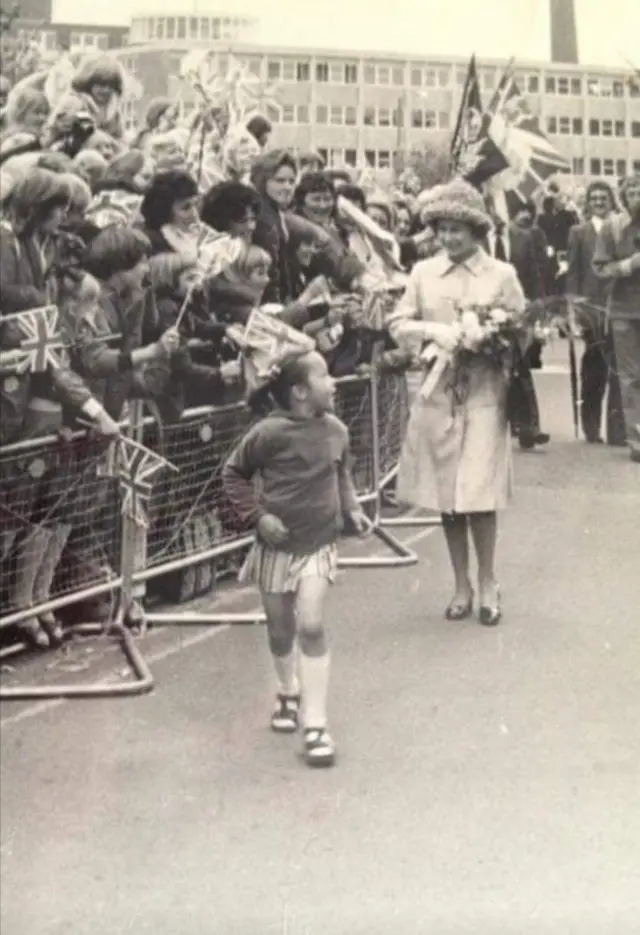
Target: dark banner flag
point(474, 155)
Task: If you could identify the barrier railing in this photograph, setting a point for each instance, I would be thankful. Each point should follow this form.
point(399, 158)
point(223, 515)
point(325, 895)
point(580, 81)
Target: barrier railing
point(65, 545)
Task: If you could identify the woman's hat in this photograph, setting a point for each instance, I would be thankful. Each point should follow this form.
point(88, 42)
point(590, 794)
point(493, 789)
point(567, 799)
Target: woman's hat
point(457, 201)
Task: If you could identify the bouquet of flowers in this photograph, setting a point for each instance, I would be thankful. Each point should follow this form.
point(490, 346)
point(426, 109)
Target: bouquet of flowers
point(489, 334)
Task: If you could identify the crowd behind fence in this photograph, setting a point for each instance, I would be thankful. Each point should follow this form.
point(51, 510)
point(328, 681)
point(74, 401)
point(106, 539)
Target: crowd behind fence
point(62, 527)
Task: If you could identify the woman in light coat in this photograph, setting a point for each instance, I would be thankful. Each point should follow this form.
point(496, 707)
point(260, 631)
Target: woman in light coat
point(457, 455)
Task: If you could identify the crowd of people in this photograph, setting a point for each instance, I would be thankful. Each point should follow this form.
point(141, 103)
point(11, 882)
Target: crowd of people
point(154, 245)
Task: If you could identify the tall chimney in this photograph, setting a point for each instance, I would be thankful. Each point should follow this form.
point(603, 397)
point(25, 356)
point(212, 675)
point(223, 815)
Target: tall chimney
point(564, 36)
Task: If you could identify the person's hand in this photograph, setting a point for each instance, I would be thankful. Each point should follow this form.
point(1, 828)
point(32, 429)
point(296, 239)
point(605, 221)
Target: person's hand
point(272, 530)
point(169, 342)
point(360, 522)
point(106, 425)
point(231, 371)
point(445, 336)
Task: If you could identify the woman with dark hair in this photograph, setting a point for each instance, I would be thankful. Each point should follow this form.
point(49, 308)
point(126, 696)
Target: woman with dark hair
point(96, 90)
point(231, 208)
point(457, 453)
point(260, 128)
point(170, 212)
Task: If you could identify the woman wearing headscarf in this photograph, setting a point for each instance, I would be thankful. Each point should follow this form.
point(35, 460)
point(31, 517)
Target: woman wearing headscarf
point(457, 454)
point(96, 90)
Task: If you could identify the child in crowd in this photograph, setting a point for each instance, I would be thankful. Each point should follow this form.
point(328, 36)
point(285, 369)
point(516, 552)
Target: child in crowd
point(300, 453)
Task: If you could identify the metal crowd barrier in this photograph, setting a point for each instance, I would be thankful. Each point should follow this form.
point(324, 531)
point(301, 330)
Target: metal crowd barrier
point(65, 545)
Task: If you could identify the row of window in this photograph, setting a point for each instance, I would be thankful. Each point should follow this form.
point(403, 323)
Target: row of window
point(614, 168)
point(346, 116)
point(574, 126)
point(48, 40)
point(187, 27)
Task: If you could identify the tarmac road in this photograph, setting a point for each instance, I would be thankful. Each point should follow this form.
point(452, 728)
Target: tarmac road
point(488, 781)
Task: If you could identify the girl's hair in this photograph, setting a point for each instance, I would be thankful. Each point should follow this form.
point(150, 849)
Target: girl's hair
point(165, 270)
point(116, 249)
point(386, 209)
point(258, 126)
point(79, 192)
point(227, 203)
point(312, 183)
point(267, 166)
point(35, 196)
point(22, 102)
point(166, 188)
point(294, 371)
point(122, 171)
point(101, 70)
point(355, 195)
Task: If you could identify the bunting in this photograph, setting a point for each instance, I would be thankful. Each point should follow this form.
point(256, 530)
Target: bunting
point(41, 342)
point(136, 468)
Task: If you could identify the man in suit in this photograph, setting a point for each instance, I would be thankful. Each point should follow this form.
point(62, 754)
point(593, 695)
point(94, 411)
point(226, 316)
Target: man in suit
point(583, 284)
point(525, 249)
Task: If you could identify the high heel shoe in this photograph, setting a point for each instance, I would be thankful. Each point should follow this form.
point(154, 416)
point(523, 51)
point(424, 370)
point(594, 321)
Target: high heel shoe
point(459, 611)
point(489, 616)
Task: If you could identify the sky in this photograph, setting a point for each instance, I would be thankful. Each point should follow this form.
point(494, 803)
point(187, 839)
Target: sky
point(490, 28)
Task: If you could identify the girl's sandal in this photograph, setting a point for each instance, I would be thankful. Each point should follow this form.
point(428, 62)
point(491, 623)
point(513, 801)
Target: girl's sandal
point(318, 747)
point(286, 714)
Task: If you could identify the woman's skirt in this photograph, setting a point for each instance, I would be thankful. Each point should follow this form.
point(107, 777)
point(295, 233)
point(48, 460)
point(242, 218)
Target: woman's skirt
point(276, 572)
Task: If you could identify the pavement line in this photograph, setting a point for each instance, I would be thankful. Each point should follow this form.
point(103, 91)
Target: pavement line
point(42, 707)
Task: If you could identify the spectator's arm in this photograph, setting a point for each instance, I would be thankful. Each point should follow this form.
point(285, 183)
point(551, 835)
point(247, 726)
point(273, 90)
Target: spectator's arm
point(606, 263)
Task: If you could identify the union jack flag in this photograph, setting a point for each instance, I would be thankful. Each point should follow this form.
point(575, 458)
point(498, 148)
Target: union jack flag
point(135, 467)
point(516, 131)
point(41, 342)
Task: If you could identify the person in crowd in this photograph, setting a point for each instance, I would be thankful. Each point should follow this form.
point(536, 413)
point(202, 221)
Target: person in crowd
point(457, 454)
point(260, 128)
point(310, 162)
point(588, 292)
point(617, 259)
point(96, 90)
point(380, 210)
point(339, 178)
point(526, 253)
point(32, 404)
point(104, 144)
point(403, 225)
point(130, 173)
point(90, 166)
point(300, 452)
point(556, 221)
point(231, 208)
point(25, 117)
point(161, 117)
point(240, 151)
point(170, 212)
point(274, 178)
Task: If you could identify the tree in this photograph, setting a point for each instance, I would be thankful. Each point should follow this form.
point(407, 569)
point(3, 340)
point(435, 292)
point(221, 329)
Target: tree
point(431, 163)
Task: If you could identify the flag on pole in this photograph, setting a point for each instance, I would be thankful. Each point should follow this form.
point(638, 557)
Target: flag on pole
point(516, 131)
point(41, 342)
point(135, 467)
point(474, 155)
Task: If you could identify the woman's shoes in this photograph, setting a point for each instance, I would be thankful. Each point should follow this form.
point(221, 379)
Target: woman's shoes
point(33, 634)
point(459, 610)
point(52, 628)
point(489, 614)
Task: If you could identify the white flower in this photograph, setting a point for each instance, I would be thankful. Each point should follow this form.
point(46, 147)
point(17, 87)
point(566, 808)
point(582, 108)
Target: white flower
point(472, 331)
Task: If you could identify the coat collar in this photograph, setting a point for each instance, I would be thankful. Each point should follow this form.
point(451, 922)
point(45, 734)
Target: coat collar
point(476, 264)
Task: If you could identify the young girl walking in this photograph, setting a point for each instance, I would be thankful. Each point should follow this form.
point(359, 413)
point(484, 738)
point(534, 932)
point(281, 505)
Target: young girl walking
point(300, 453)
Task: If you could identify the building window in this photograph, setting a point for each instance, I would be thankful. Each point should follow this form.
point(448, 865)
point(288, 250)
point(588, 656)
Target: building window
point(171, 28)
point(416, 77)
point(336, 73)
point(102, 41)
point(302, 113)
point(350, 116)
point(350, 157)
point(193, 27)
point(369, 74)
point(397, 116)
point(552, 125)
point(324, 155)
point(577, 165)
point(273, 114)
point(593, 87)
point(336, 116)
point(444, 76)
point(489, 80)
point(303, 71)
point(444, 119)
point(618, 88)
point(608, 167)
point(383, 74)
point(369, 116)
point(595, 167)
point(594, 128)
point(533, 84)
point(350, 74)
point(417, 119)
point(182, 28)
point(430, 77)
point(636, 166)
point(384, 117)
point(205, 27)
point(288, 113)
point(550, 84)
point(619, 128)
point(577, 126)
point(563, 85)
point(370, 158)
point(397, 76)
point(322, 114)
point(322, 71)
point(384, 159)
point(621, 168)
point(576, 87)
point(564, 125)
point(635, 129)
point(430, 120)
point(607, 128)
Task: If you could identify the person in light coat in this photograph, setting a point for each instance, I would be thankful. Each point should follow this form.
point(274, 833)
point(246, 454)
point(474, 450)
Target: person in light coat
point(457, 454)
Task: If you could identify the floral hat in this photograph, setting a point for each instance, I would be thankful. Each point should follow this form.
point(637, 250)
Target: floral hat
point(457, 201)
